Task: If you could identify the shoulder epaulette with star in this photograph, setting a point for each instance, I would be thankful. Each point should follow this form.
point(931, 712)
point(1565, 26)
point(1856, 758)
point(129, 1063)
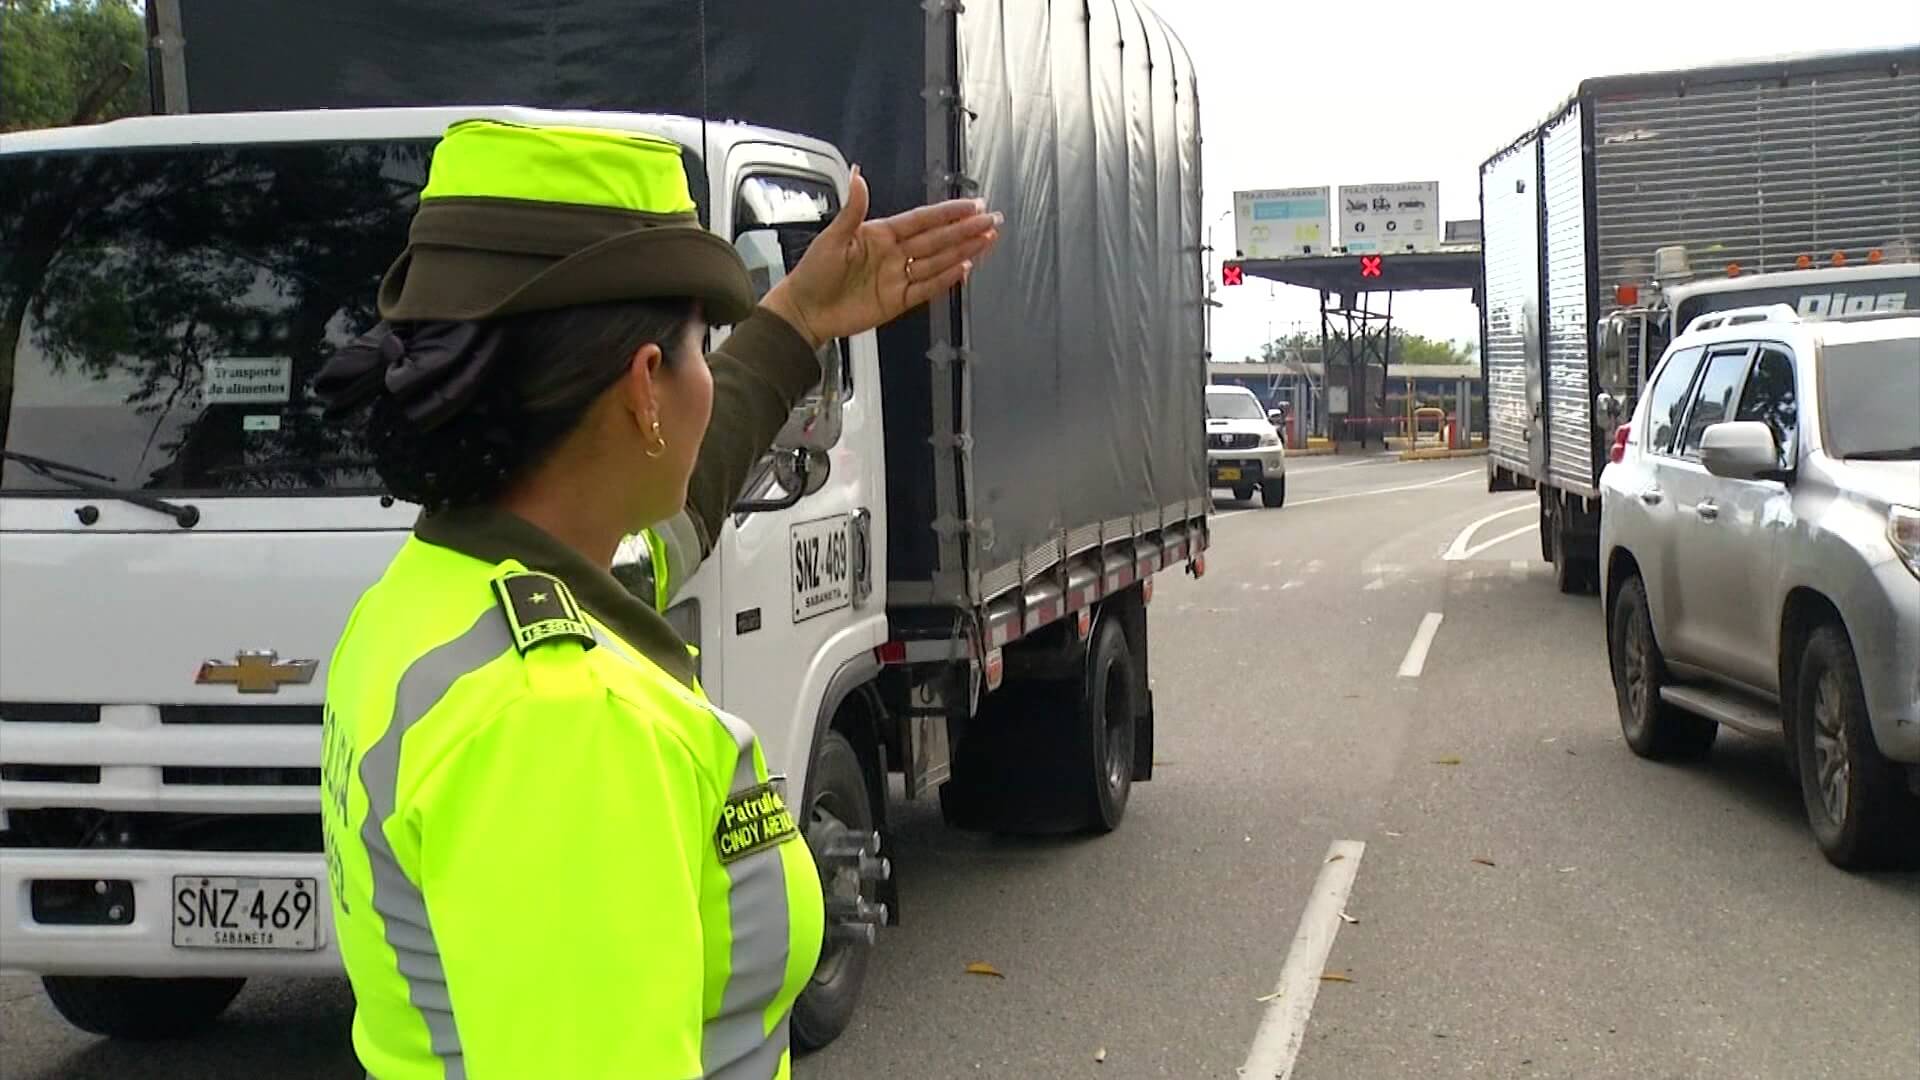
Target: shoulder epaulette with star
point(540, 608)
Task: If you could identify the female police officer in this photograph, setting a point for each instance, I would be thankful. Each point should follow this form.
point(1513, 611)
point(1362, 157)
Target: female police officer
point(550, 856)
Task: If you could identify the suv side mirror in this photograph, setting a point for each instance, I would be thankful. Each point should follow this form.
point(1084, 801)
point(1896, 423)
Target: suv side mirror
point(1741, 450)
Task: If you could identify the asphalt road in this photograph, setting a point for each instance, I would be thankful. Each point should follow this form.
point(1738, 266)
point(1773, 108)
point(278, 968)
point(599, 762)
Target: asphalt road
point(1622, 919)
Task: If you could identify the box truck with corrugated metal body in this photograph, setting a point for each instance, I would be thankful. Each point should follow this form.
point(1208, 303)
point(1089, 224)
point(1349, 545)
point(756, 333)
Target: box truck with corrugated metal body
point(1647, 200)
point(951, 585)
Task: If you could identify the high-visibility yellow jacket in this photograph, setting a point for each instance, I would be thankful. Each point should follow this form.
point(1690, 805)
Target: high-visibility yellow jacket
point(550, 855)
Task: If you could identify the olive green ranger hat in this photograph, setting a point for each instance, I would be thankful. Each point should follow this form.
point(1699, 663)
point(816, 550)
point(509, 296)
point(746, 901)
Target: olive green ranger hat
point(517, 218)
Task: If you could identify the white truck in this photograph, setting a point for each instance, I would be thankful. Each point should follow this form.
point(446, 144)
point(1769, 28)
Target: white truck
point(941, 572)
point(1646, 201)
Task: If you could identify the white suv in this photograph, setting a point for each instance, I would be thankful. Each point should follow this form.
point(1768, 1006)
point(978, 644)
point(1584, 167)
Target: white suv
point(1760, 545)
point(1244, 451)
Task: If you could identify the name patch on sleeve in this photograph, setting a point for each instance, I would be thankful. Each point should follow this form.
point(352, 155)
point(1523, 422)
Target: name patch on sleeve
point(752, 821)
point(539, 608)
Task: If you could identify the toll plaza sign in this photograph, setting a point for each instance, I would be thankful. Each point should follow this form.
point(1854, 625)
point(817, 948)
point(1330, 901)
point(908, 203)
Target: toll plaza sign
point(1390, 217)
point(1282, 223)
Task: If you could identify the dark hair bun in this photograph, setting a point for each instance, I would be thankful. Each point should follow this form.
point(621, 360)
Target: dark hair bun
point(560, 360)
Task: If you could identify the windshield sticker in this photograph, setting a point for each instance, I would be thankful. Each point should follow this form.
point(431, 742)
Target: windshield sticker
point(249, 380)
point(260, 422)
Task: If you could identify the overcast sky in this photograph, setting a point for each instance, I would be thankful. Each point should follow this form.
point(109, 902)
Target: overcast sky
point(1298, 94)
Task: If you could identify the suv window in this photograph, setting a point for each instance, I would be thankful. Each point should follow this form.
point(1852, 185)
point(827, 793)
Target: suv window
point(1713, 402)
point(1770, 398)
point(1867, 391)
point(1669, 400)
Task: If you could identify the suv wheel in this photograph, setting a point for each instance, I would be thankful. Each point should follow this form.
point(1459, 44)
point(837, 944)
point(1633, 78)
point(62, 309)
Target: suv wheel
point(1653, 729)
point(1273, 493)
point(1857, 801)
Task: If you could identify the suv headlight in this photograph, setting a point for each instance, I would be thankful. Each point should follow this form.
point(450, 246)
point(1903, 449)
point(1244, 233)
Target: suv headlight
point(1271, 438)
point(1903, 532)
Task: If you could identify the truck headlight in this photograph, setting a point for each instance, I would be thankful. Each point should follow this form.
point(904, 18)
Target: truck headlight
point(1903, 532)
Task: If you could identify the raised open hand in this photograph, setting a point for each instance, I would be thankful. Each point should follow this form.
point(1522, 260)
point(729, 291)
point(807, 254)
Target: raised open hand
point(858, 274)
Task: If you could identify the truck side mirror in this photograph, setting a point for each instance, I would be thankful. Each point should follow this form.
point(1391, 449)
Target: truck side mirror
point(784, 478)
point(814, 423)
point(1610, 337)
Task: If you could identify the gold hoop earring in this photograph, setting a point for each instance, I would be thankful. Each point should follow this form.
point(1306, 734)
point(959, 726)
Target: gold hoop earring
point(659, 446)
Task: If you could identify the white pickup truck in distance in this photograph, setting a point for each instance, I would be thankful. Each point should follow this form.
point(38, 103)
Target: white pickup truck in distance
point(1244, 450)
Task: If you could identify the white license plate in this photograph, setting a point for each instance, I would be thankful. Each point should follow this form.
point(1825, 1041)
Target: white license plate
point(822, 567)
point(246, 913)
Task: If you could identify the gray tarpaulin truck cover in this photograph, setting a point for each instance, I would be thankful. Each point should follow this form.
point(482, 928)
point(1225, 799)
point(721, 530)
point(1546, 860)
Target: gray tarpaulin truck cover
point(1080, 392)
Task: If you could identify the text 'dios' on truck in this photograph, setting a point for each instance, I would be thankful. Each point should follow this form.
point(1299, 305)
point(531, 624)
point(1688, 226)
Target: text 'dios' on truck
point(1646, 201)
point(941, 572)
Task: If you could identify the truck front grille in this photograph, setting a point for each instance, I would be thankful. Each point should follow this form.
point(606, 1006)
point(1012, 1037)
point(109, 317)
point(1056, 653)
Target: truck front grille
point(212, 759)
point(310, 715)
point(48, 712)
point(51, 774)
point(240, 776)
point(1232, 442)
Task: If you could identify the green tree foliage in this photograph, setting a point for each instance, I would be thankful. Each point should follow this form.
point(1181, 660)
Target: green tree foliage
point(71, 62)
point(1405, 348)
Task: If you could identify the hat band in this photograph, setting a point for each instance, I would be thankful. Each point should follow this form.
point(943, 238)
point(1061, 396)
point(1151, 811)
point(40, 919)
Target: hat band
point(527, 227)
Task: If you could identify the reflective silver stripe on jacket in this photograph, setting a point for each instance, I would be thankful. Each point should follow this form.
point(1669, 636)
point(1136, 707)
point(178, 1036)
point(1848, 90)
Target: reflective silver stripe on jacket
point(395, 897)
point(735, 1045)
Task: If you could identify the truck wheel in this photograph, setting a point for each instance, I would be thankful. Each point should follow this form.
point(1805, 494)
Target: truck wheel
point(1653, 729)
point(1546, 532)
point(1273, 493)
point(1051, 757)
point(143, 1010)
point(839, 807)
point(1857, 800)
point(1105, 753)
point(1571, 574)
point(1243, 493)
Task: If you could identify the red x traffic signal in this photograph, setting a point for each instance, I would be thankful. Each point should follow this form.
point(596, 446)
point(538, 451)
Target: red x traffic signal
point(1369, 266)
point(1231, 274)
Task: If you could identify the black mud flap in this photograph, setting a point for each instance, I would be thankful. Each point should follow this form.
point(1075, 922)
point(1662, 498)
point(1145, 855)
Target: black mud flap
point(1143, 742)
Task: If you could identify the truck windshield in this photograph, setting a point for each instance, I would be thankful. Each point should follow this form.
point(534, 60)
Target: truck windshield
point(1234, 407)
point(1867, 395)
point(163, 312)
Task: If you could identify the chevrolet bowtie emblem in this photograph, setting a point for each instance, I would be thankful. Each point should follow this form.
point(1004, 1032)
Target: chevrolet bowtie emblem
point(256, 672)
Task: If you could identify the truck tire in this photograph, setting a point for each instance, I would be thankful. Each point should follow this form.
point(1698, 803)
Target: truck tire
point(1273, 493)
point(1104, 754)
point(1653, 729)
point(1572, 575)
point(837, 795)
point(1857, 801)
point(1051, 757)
point(141, 1010)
